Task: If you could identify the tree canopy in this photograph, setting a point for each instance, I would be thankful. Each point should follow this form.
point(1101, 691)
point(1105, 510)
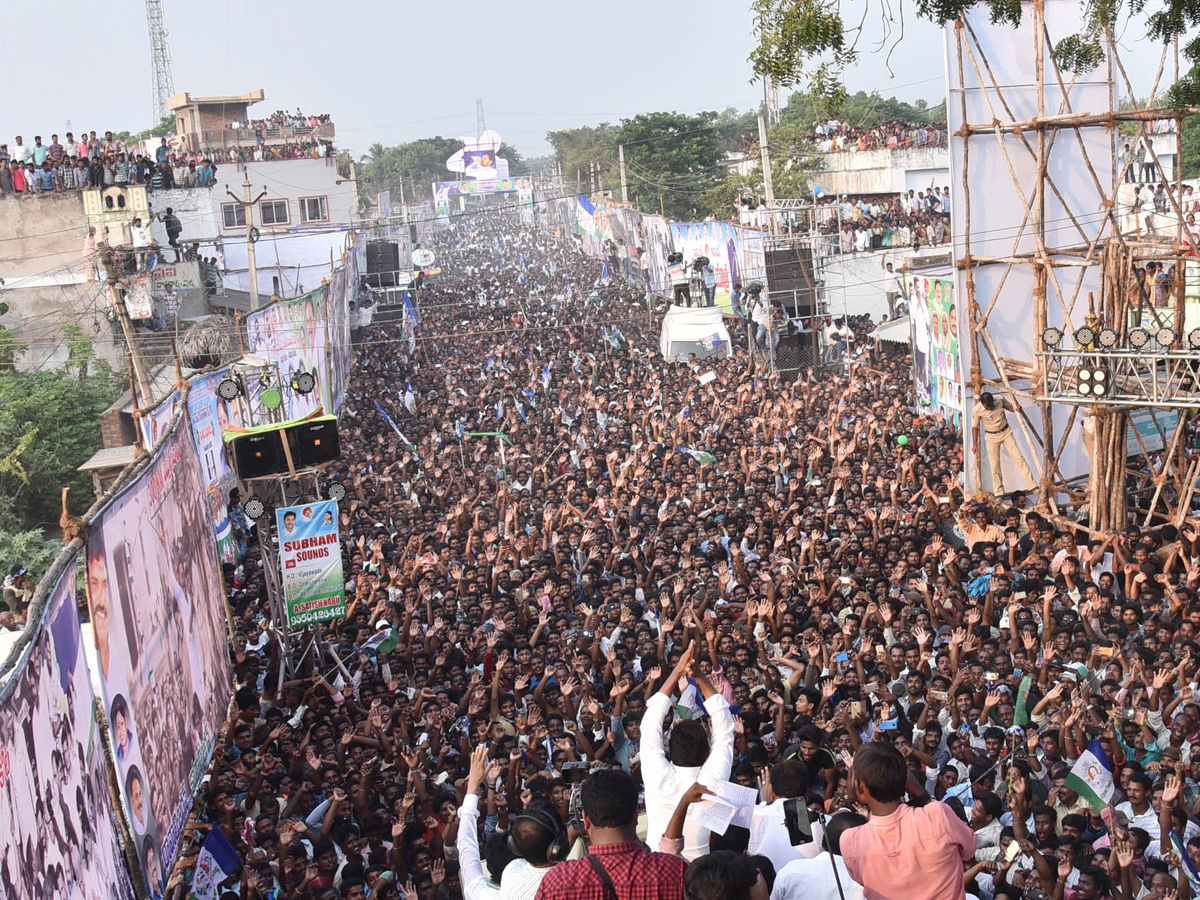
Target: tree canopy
point(811, 40)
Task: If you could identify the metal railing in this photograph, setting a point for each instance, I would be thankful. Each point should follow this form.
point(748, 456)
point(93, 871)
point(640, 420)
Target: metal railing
point(1150, 376)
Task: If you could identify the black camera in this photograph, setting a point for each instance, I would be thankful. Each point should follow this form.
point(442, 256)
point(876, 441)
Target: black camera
point(699, 262)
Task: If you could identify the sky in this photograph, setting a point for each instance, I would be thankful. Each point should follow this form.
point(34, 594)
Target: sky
point(393, 72)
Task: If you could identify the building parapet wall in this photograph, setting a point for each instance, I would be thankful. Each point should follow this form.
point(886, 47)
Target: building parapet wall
point(883, 171)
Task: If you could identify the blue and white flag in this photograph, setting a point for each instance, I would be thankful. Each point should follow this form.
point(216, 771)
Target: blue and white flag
point(216, 862)
point(410, 400)
point(395, 427)
point(546, 378)
point(521, 411)
point(1092, 776)
point(1185, 861)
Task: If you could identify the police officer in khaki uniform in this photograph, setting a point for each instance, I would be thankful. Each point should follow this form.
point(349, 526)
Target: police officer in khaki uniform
point(990, 415)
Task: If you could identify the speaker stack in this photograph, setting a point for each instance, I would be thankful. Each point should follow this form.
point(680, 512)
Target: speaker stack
point(383, 263)
point(312, 444)
point(791, 281)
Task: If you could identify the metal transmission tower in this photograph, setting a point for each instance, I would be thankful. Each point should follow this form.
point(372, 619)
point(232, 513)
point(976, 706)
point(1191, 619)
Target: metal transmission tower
point(480, 125)
point(160, 60)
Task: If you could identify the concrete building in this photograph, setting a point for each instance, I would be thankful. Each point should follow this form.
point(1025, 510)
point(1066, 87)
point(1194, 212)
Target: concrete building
point(301, 213)
point(875, 172)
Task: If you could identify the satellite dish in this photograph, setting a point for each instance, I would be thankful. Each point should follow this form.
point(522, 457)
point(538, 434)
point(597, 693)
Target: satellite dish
point(423, 257)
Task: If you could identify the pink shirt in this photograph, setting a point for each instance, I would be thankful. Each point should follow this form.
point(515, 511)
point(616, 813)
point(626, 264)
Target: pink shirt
point(913, 854)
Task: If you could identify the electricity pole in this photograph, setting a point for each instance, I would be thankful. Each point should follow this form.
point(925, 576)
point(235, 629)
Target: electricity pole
point(247, 206)
point(768, 184)
point(624, 189)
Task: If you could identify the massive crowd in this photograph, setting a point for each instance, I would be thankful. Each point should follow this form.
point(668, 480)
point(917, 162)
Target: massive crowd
point(754, 623)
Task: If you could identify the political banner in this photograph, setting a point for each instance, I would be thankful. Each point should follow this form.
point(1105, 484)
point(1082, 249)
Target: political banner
point(717, 241)
point(752, 259)
point(294, 334)
point(310, 561)
point(656, 243)
point(937, 370)
point(154, 424)
point(479, 164)
point(158, 622)
point(209, 415)
point(56, 812)
point(342, 289)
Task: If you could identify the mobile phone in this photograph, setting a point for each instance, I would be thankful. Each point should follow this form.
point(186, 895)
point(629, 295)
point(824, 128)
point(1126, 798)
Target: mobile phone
point(871, 688)
point(799, 825)
point(857, 708)
point(1020, 595)
point(992, 676)
point(939, 696)
point(1105, 651)
point(889, 725)
point(1092, 731)
point(842, 657)
point(1013, 851)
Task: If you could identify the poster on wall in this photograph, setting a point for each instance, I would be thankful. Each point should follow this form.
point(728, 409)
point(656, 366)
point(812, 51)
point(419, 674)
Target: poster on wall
point(157, 609)
point(209, 415)
point(154, 424)
point(56, 812)
point(480, 164)
point(717, 241)
point(292, 333)
point(937, 370)
point(310, 561)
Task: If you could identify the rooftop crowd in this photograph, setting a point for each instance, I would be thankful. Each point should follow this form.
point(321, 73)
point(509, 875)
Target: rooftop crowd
point(669, 588)
point(92, 162)
point(836, 136)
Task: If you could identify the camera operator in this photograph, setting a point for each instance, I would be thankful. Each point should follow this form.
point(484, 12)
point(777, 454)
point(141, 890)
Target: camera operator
point(703, 267)
point(678, 274)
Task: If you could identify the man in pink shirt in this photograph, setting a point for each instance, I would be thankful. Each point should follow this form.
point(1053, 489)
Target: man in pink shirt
point(903, 852)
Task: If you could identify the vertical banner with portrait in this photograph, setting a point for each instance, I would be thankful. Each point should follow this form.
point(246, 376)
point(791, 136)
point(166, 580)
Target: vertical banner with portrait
point(718, 242)
point(310, 560)
point(209, 415)
point(937, 365)
point(292, 333)
point(158, 620)
point(657, 243)
point(56, 812)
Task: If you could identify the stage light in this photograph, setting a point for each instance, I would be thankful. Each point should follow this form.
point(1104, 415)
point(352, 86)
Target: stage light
point(228, 389)
point(254, 508)
point(1085, 335)
point(303, 383)
point(271, 398)
point(1091, 381)
point(1052, 337)
point(1139, 338)
point(1108, 338)
point(1165, 337)
point(1194, 338)
point(335, 491)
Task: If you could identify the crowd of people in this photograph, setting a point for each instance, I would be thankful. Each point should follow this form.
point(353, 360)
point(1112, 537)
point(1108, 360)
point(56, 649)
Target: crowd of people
point(692, 630)
point(95, 163)
point(837, 136)
point(914, 219)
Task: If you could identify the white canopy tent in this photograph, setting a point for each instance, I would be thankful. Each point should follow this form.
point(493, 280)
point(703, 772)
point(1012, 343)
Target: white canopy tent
point(701, 331)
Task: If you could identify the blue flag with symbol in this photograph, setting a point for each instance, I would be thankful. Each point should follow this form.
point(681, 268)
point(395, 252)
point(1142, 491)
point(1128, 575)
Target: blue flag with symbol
point(216, 862)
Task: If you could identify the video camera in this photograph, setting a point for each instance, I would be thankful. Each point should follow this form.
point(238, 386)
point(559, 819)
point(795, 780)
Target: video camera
point(699, 262)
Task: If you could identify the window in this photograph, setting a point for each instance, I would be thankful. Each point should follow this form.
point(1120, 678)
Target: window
point(274, 212)
point(233, 215)
point(314, 209)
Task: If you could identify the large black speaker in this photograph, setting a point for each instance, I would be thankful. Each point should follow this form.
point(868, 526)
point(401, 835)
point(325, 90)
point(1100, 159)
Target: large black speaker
point(314, 443)
point(791, 280)
point(382, 256)
point(259, 455)
point(311, 444)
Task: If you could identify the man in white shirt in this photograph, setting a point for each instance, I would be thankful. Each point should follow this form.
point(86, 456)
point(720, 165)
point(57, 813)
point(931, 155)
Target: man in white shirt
point(768, 832)
point(814, 879)
point(692, 758)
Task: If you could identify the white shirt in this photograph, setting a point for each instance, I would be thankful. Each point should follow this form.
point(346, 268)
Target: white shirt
point(138, 233)
point(1147, 820)
point(475, 885)
point(666, 782)
point(813, 879)
point(521, 879)
point(769, 836)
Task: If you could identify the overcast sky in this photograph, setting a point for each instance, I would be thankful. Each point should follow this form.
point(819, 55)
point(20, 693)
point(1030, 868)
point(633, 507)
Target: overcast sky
point(392, 72)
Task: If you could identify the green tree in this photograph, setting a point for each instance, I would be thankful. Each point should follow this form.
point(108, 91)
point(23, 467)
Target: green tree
point(799, 40)
point(31, 549)
point(576, 149)
point(48, 428)
point(11, 350)
point(673, 160)
point(415, 165)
